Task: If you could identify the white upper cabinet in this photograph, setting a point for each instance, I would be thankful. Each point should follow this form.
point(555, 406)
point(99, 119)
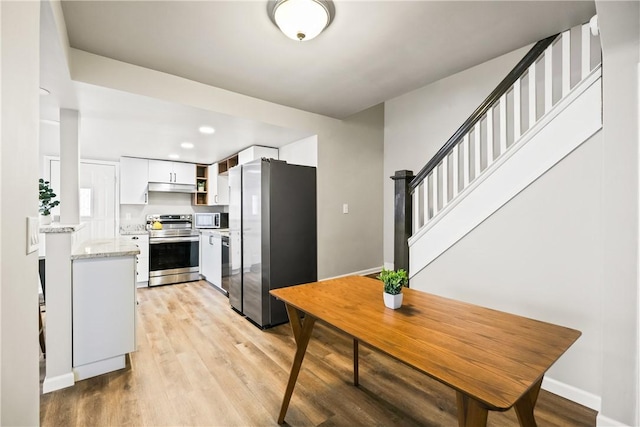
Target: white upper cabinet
point(134, 182)
point(218, 187)
point(172, 172)
point(256, 152)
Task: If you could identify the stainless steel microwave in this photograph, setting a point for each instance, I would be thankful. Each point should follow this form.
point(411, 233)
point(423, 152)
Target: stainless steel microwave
point(210, 220)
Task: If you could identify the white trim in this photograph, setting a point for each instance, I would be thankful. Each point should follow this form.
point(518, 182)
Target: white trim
point(637, 421)
point(100, 367)
point(602, 421)
point(572, 393)
point(58, 382)
point(521, 165)
point(361, 272)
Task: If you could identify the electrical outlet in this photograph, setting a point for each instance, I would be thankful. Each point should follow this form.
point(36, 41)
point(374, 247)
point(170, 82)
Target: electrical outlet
point(345, 208)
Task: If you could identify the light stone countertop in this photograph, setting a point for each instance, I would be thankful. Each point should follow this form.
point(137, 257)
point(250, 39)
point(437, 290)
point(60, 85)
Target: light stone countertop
point(56, 227)
point(102, 248)
point(132, 229)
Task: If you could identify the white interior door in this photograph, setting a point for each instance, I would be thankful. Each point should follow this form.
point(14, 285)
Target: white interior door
point(98, 196)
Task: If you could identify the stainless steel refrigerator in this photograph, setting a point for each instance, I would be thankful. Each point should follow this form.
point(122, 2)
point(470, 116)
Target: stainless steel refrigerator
point(272, 235)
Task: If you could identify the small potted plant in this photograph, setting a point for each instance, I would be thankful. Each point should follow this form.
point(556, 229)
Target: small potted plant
point(393, 282)
point(47, 201)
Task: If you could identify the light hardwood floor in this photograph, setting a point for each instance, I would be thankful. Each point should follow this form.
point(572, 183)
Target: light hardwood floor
point(200, 363)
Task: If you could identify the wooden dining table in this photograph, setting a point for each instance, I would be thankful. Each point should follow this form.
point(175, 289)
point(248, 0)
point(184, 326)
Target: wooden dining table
point(492, 359)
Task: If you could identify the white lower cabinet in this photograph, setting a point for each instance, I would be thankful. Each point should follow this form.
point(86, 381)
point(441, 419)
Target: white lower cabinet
point(104, 314)
point(211, 257)
point(142, 260)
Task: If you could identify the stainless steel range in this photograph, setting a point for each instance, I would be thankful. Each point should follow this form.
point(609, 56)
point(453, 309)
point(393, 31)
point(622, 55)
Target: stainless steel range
point(173, 249)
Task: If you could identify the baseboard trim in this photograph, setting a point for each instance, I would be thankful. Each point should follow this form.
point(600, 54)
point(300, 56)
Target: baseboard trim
point(602, 421)
point(356, 273)
point(572, 393)
point(58, 382)
point(100, 367)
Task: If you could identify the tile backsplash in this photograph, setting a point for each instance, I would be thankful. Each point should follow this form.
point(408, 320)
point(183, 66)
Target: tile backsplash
point(162, 203)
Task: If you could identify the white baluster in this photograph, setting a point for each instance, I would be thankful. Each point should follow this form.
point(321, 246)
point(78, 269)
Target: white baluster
point(532, 95)
point(489, 136)
point(417, 223)
point(466, 161)
point(454, 170)
point(586, 51)
point(503, 123)
point(445, 181)
point(517, 107)
point(435, 185)
point(566, 62)
point(548, 78)
point(477, 152)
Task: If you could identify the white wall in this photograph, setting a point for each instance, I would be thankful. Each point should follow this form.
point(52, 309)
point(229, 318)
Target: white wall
point(350, 170)
point(540, 256)
point(302, 152)
point(349, 154)
point(620, 35)
point(19, 112)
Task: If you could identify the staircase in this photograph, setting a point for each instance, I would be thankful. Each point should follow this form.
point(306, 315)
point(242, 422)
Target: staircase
point(546, 107)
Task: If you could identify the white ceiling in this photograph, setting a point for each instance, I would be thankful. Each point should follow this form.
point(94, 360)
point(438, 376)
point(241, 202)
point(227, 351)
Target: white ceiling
point(373, 51)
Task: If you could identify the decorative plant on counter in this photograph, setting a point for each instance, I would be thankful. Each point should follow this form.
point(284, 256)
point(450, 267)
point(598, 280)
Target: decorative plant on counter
point(47, 201)
point(393, 282)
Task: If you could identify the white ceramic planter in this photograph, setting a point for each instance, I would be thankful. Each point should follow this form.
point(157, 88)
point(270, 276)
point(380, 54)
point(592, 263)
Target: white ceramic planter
point(45, 219)
point(392, 301)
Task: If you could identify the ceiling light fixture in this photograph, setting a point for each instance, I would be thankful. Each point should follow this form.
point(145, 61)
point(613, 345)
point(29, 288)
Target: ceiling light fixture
point(301, 20)
point(173, 156)
point(207, 130)
point(187, 145)
point(44, 91)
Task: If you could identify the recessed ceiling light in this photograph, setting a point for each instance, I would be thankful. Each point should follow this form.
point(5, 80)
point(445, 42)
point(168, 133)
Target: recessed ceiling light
point(44, 91)
point(174, 156)
point(187, 145)
point(206, 130)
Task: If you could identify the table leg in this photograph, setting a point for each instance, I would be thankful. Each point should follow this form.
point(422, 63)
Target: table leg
point(301, 333)
point(524, 406)
point(356, 379)
point(470, 412)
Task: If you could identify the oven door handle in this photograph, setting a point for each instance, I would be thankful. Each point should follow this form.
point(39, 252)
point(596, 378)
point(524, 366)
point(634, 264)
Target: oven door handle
point(159, 240)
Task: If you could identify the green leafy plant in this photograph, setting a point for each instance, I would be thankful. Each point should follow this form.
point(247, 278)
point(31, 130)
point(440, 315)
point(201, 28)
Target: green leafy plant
point(46, 198)
point(393, 280)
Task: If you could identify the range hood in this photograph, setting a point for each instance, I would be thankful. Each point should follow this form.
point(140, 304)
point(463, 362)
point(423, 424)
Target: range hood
point(172, 188)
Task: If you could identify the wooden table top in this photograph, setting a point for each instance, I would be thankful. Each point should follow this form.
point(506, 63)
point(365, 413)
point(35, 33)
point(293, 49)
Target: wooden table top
point(491, 356)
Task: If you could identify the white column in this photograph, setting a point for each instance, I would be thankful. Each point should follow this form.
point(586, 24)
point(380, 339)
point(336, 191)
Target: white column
point(19, 113)
point(69, 167)
point(59, 368)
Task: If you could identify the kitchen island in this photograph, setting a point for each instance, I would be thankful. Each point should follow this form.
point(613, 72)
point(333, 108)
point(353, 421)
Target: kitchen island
point(103, 306)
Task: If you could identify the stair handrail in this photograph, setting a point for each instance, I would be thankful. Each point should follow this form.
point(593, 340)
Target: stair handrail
point(504, 86)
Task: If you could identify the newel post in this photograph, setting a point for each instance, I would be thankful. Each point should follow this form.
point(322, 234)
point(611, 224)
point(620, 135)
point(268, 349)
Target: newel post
point(402, 219)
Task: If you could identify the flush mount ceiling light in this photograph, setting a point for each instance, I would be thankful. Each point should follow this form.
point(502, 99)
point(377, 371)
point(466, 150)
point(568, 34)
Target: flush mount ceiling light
point(301, 19)
point(44, 91)
point(173, 156)
point(187, 145)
